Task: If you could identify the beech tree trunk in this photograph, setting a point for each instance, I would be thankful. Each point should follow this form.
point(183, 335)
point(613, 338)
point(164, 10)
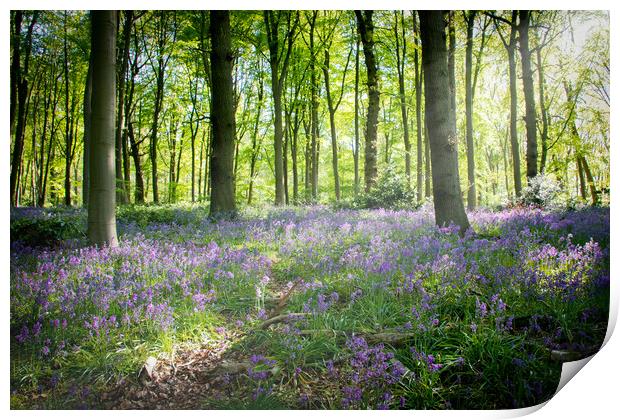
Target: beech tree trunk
point(444, 148)
point(278, 61)
point(22, 97)
point(122, 195)
point(356, 148)
point(418, 112)
point(400, 66)
point(222, 116)
point(528, 93)
point(544, 133)
point(469, 102)
point(87, 129)
point(365, 29)
point(102, 197)
point(314, 114)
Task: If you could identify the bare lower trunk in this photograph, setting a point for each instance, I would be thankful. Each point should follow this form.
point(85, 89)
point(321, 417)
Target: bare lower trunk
point(528, 93)
point(365, 29)
point(222, 116)
point(102, 197)
point(446, 186)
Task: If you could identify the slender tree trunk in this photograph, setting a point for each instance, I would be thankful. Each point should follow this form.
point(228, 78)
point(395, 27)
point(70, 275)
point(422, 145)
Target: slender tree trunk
point(314, 119)
point(122, 195)
point(102, 197)
point(590, 179)
point(20, 128)
point(452, 69)
point(418, 111)
point(294, 158)
point(332, 125)
point(222, 116)
point(279, 65)
point(582, 181)
point(506, 169)
point(287, 139)
point(400, 66)
point(356, 149)
point(68, 117)
point(17, 17)
point(469, 102)
point(544, 134)
point(308, 161)
point(446, 186)
point(139, 191)
point(255, 143)
point(528, 93)
point(514, 140)
point(87, 129)
point(365, 29)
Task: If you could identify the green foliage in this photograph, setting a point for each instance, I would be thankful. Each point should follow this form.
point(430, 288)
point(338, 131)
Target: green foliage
point(47, 228)
point(542, 191)
point(390, 192)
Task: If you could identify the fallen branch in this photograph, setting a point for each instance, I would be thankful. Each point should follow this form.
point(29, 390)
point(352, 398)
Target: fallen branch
point(571, 355)
point(284, 318)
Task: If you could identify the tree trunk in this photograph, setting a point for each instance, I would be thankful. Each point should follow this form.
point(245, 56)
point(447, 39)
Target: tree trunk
point(20, 128)
point(444, 153)
point(314, 116)
point(365, 29)
point(87, 129)
point(469, 101)
point(544, 133)
point(287, 139)
point(332, 125)
point(582, 181)
point(400, 66)
point(102, 197)
point(16, 26)
point(590, 179)
point(528, 93)
point(356, 148)
point(122, 195)
point(222, 116)
point(514, 140)
point(279, 65)
point(68, 117)
point(255, 141)
point(418, 111)
point(452, 69)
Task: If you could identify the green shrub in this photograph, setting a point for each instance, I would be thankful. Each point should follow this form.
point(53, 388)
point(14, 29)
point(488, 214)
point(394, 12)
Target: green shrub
point(541, 191)
point(389, 192)
point(35, 227)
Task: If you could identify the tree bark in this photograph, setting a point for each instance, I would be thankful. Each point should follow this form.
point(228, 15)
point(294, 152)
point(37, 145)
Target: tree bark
point(528, 93)
point(444, 153)
point(400, 66)
point(356, 148)
point(452, 69)
point(314, 115)
point(418, 111)
point(222, 117)
point(255, 140)
point(20, 128)
point(17, 17)
point(102, 197)
point(544, 133)
point(86, 106)
point(331, 107)
point(365, 29)
point(469, 101)
point(278, 61)
point(590, 179)
point(122, 195)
